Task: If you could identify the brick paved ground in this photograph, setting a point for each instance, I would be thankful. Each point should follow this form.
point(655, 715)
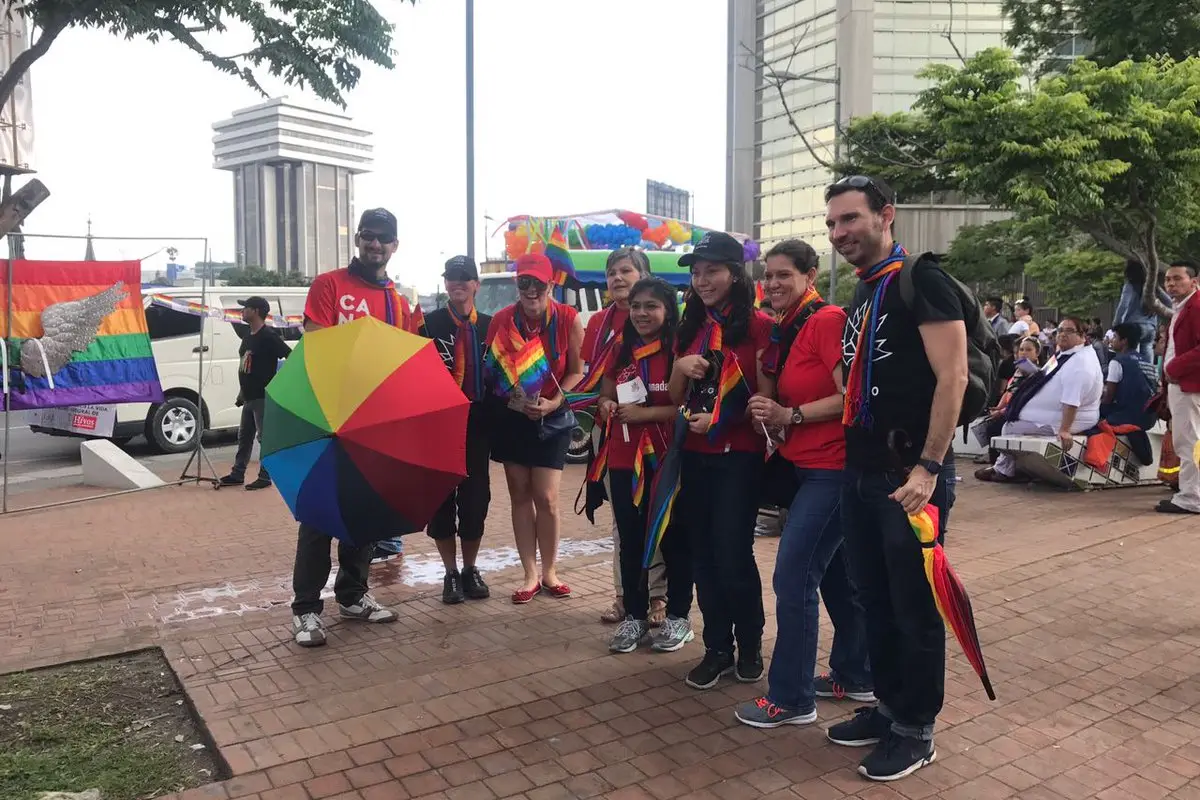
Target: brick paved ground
point(1087, 607)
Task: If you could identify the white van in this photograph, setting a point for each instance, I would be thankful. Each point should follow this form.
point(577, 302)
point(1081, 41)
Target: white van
point(175, 339)
point(498, 290)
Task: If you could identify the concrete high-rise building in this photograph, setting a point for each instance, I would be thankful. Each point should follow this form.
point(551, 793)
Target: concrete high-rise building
point(852, 58)
point(293, 184)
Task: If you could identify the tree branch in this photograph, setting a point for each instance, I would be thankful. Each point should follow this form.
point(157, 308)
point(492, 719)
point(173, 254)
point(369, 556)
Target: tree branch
point(779, 82)
point(948, 35)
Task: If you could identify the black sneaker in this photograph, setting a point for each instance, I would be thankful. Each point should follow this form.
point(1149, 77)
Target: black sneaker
point(258, 483)
point(231, 480)
point(473, 585)
point(749, 665)
point(826, 686)
point(452, 589)
point(865, 728)
point(896, 757)
point(708, 672)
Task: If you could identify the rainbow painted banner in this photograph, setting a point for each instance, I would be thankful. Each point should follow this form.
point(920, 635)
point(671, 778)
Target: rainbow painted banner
point(78, 335)
point(233, 315)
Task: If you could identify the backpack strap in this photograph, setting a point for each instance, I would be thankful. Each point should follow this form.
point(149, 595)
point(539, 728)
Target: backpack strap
point(907, 290)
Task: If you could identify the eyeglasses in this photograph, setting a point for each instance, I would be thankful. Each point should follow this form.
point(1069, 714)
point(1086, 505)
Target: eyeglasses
point(372, 236)
point(1071, 331)
point(863, 184)
point(526, 282)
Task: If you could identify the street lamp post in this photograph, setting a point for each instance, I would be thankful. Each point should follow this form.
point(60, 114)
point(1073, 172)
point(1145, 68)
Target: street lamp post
point(471, 128)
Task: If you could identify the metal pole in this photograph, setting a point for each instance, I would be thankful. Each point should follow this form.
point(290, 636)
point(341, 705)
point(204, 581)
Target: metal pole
point(837, 154)
point(7, 395)
point(471, 128)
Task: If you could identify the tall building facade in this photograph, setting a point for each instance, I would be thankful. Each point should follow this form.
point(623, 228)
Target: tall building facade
point(293, 184)
point(851, 58)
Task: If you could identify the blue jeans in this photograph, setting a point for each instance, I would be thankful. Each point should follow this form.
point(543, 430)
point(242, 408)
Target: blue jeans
point(811, 555)
point(905, 634)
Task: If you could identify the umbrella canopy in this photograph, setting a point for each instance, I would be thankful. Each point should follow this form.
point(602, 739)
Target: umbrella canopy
point(664, 489)
point(948, 592)
point(364, 431)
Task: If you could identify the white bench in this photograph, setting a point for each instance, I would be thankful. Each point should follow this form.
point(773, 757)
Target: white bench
point(1043, 458)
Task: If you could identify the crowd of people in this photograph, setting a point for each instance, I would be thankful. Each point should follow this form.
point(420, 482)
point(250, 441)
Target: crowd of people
point(848, 425)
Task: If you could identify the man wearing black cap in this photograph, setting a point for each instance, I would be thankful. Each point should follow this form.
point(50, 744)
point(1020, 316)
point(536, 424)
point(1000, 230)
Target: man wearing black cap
point(459, 332)
point(361, 289)
point(260, 352)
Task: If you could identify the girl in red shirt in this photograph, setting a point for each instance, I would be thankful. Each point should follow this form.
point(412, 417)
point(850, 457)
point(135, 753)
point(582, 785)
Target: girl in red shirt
point(720, 468)
point(805, 357)
point(533, 458)
point(641, 367)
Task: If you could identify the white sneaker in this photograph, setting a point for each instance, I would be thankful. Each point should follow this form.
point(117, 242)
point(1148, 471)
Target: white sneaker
point(309, 630)
point(368, 609)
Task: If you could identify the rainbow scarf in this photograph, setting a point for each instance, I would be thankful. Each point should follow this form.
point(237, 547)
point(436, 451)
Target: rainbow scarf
point(645, 461)
point(517, 357)
point(856, 411)
point(468, 373)
point(774, 352)
point(606, 340)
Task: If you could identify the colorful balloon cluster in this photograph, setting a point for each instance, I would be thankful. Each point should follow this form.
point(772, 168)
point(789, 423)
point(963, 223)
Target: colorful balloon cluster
point(612, 237)
point(635, 230)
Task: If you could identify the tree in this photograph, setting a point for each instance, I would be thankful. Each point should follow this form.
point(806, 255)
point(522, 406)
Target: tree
point(313, 44)
point(1112, 153)
point(1078, 280)
point(1113, 30)
point(990, 254)
point(258, 276)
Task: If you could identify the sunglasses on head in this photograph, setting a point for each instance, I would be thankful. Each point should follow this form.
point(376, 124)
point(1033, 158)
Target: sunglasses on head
point(863, 184)
point(525, 283)
point(372, 236)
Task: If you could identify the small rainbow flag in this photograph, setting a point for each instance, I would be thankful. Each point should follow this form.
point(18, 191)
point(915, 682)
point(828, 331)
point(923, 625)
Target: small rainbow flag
point(578, 401)
point(645, 460)
point(600, 461)
point(560, 257)
point(732, 393)
point(759, 294)
point(531, 366)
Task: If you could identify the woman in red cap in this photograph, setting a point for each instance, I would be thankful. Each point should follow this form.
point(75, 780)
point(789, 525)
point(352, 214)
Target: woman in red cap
point(532, 434)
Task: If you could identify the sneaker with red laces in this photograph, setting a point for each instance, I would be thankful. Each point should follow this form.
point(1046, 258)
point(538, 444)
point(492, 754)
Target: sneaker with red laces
point(826, 686)
point(762, 713)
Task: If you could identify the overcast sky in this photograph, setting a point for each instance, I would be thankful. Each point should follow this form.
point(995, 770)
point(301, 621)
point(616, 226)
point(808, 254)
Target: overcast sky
point(578, 102)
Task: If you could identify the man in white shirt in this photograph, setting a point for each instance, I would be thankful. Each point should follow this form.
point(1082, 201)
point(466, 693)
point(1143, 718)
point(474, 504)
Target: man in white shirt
point(1067, 402)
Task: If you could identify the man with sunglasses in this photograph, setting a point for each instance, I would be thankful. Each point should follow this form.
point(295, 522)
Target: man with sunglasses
point(907, 371)
point(361, 289)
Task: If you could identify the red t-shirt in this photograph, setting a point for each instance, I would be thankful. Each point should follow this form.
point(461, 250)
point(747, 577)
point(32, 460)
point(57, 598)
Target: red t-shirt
point(620, 452)
point(565, 317)
point(739, 434)
point(807, 376)
point(600, 328)
point(338, 297)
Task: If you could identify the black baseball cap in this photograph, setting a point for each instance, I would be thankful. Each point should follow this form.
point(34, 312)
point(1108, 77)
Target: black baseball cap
point(379, 220)
point(461, 268)
point(259, 304)
point(717, 247)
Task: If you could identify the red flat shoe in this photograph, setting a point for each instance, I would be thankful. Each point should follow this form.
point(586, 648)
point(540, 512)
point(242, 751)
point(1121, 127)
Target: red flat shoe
point(559, 592)
point(522, 596)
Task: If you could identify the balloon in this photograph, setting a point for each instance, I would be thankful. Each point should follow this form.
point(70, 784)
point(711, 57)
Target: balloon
point(515, 244)
point(678, 233)
point(751, 249)
point(634, 220)
point(697, 235)
point(538, 247)
point(658, 235)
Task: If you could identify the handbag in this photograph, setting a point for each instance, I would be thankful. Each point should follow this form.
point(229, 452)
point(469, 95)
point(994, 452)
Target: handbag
point(561, 420)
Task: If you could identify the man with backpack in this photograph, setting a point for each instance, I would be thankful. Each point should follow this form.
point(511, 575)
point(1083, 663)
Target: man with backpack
point(919, 355)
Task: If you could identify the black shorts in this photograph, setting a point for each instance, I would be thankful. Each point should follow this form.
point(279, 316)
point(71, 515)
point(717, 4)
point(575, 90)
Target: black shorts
point(515, 441)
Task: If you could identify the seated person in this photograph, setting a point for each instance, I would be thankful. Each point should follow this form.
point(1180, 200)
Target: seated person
point(1060, 400)
point(1130, 383)
point(1027, 362)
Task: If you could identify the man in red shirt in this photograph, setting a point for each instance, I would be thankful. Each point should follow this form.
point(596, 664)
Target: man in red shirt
point(359, 290)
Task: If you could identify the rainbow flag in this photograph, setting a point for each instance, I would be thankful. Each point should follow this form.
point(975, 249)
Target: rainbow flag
point(560, 257)
point(578, 401)
point(732, 393)
point(599, 464)
point(645, 460)
point(85, 322)
point(526, 366)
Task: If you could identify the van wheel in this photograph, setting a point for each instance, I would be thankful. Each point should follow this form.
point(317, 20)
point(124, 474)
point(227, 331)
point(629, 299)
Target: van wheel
point(581, 439)
point(172, 426)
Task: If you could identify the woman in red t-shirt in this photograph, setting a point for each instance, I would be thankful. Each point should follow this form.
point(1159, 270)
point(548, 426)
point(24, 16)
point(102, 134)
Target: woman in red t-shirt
point(805, 357)
point(640, 367)
point(721, 466)
point(526, 437)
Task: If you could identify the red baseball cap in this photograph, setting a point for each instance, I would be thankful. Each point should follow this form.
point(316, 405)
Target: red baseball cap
point(535, 265)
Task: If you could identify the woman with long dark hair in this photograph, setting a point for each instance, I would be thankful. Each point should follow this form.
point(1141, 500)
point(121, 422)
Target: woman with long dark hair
point(1131, 307)
point(721, 340)
point(805, 359)
point(640, 367)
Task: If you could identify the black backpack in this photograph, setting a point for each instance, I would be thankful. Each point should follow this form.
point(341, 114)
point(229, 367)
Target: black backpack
point(983, 348)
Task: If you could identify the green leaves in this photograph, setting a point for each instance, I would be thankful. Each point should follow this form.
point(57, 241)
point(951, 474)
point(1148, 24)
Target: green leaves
point(312, 44)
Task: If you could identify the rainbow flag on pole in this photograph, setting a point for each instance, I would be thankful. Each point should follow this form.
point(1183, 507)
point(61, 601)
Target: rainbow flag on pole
point(78, 335)
point(645, 461)
point(560, 257)
point(732, 393)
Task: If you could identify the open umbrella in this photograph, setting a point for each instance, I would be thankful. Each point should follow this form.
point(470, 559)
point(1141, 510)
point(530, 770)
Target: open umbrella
point(664, 488)
point(948, 592)
point(364, 431)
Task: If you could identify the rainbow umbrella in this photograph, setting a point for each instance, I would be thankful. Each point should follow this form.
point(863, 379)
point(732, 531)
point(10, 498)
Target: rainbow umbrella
point(949, 594)
point(664, 488)
point(364, 431)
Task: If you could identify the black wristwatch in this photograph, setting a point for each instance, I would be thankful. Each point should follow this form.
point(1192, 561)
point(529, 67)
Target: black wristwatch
point(797, 416)
point(929, 465)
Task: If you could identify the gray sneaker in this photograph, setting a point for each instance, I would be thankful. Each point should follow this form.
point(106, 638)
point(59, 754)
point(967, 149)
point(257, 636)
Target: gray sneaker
point(762, 713)
point(308, 630)
point(672, 635)
point(629, 634)
point(368, 609)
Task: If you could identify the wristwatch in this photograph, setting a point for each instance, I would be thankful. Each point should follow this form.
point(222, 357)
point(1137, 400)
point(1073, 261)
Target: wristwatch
point(797, 416)
point(929, 465)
